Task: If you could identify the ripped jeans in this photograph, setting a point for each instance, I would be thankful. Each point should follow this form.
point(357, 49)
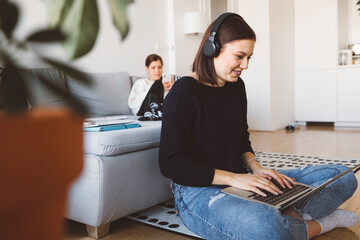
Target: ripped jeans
point(212, 214)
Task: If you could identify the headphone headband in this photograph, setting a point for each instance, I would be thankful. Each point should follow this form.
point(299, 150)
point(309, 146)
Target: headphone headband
point(219, 21)
point(211, 47)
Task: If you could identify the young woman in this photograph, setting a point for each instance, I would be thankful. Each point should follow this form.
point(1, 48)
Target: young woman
point(147, 94)
point(205, 147)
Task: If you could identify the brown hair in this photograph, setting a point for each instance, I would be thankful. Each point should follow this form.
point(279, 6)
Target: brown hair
point(232, 28)
point(151, 58)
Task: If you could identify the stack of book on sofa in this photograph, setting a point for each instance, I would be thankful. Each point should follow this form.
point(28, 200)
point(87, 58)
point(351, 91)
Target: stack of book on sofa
point(109, 123)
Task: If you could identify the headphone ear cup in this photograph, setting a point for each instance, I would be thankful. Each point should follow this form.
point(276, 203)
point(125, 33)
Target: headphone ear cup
point(209, 48)
point(217, 49)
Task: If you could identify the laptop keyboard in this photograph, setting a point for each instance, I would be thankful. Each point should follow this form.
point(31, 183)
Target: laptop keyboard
point(276, 199)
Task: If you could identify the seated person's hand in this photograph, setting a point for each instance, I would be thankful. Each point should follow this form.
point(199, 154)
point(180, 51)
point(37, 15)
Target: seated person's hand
point(168, 85)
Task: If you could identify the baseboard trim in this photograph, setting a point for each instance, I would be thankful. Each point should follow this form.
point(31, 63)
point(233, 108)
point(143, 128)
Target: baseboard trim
point(320, 124)
point(336, 124)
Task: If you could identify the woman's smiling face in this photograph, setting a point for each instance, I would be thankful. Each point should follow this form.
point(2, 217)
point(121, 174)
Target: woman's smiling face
point(233, 59)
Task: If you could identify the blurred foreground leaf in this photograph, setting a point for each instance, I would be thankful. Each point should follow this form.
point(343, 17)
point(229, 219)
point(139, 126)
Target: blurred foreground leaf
point(9, 15)
point(13, 91)
point(71, 101)
point(46, 36)
point(79, 21)
point(118, 10)
point(57, 11)
point(77, 75)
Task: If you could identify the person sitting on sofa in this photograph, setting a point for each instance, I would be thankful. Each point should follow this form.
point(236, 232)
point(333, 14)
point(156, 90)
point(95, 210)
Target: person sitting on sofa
point(147, 95)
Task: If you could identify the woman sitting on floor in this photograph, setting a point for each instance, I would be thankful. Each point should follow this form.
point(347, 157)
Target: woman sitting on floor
point(205, 147)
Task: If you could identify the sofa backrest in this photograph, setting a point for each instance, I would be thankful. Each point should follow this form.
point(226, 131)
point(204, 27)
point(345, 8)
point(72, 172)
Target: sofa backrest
point(40, 96)
point(107, 95)
point(133, 79)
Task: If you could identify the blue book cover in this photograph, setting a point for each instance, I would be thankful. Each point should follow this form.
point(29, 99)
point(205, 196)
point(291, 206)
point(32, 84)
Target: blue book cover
point(132, 125)
point(111, 127)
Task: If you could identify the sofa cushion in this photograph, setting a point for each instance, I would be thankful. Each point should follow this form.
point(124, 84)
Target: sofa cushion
point(111, 143)
point(107, 95)
point(40, 95)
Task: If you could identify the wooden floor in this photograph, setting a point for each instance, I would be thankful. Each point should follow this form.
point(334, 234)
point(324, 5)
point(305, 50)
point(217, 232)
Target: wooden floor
point(316, 141)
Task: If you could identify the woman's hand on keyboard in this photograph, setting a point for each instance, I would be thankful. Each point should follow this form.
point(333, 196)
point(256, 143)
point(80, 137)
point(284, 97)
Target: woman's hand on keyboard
point(254, 183)
point(270, 174)
point(260, 180)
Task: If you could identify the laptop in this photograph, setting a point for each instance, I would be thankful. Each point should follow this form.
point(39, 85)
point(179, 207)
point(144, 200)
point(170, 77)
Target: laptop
point(289, 196)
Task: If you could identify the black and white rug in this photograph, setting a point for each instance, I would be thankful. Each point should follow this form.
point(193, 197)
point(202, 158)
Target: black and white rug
point(280, 161)
point(164, 214)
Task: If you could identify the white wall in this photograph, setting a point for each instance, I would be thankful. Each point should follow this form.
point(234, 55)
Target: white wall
point(257, 77)
point(147, 27)
point(156, 26)
point(353, 22)
point(33, 17)
point(110, 54)
point(348, 23)
point(282, 63)
point(342, 28)
point(270, 77)
point(186, 46)
point(217, 8)
point(316, 46)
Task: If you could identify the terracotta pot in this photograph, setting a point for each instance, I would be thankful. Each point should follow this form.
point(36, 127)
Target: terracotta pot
point(41, 153)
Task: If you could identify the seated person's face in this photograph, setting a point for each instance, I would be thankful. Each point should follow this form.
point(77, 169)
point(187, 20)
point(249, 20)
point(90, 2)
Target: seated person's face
point(155, 70)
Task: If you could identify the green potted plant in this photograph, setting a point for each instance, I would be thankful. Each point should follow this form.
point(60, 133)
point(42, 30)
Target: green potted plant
point(41, 149)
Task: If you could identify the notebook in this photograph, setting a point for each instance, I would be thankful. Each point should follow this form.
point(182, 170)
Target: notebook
point(111, 127)
point(289, 196)
point(108, 120)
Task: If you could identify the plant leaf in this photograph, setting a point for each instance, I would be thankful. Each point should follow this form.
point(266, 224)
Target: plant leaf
point(67, 69)
point(57, 11)
point(80, 23)
point(358, 3)
point(2, 102)
point(9, 15)
point(14, 93)
point(118, 10)
point(47, 35)
point(72, 102)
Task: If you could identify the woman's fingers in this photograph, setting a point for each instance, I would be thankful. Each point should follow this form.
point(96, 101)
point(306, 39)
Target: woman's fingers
point(167, 86)
point(282, 179)
point(274, 189)
point(267, 185)
point(289, 181)
point(257, 190)
point(258, 183)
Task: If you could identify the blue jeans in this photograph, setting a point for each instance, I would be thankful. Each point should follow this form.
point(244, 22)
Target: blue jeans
point(213, 214)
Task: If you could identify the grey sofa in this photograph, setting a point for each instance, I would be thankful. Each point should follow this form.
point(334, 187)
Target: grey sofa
point(121, 173)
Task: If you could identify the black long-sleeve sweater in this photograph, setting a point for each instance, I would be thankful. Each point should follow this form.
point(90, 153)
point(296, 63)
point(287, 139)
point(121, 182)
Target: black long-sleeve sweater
point(203, 128)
